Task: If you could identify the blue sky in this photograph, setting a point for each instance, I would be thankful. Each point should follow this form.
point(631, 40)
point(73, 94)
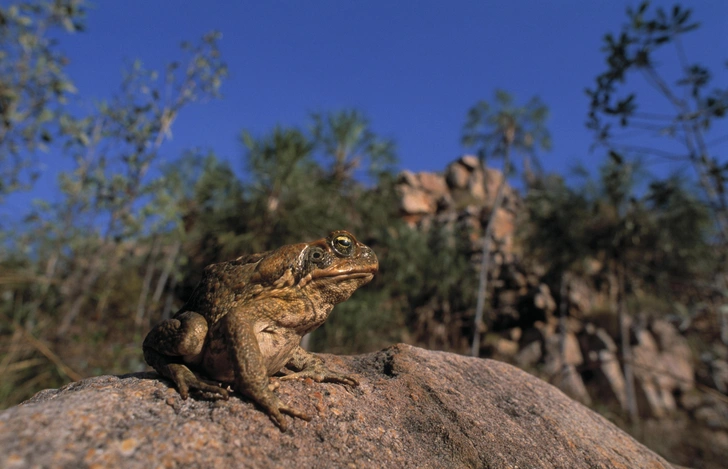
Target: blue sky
point(414, 67)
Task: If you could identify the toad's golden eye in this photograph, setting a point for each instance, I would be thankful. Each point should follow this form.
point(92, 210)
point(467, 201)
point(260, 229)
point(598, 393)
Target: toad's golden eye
point(343, 245)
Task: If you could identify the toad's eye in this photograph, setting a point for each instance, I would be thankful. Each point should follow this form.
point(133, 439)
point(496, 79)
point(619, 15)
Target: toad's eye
point(343, 245)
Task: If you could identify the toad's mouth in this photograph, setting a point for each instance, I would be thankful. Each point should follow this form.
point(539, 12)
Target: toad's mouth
point(339, 275)
point(345, 274)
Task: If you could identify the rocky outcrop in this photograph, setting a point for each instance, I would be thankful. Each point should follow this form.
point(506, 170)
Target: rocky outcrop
point(661, 358)
point(523, 304)
point(460, 200)
point(464, 193)
point(580, 353)
point(414, 408)
point(662, 367)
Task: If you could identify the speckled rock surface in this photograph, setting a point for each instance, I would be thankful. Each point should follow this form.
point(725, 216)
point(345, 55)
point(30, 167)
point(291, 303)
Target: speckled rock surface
point(414, 408)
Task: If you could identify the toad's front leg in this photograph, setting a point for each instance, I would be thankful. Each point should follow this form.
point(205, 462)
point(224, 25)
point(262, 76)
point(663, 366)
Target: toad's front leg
point(251, 377)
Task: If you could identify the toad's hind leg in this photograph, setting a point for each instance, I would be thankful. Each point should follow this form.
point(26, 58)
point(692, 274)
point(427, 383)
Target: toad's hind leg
point(168, 342)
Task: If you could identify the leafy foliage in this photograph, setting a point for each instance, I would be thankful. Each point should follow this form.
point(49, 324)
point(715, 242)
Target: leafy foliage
point(555, 215)
point(662, 238)
point(34, 89)
point(346, 140)
point(693, 107)
point(496, 129)
point(89, 252)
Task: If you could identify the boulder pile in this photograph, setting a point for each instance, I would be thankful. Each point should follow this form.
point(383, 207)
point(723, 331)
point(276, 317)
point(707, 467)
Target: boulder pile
point(580, 352)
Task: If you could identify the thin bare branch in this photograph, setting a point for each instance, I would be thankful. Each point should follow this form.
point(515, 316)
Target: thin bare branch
point(48, 353)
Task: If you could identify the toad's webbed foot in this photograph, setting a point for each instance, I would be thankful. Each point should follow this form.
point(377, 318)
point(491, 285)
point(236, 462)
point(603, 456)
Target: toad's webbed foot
point(275, 409)
point(187, 380)
point(307, 365)
point(321, 375)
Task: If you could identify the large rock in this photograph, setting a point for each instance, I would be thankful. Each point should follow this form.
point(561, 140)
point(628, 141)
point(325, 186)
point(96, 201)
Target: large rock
point(676, 357)
point(421, 195)
point(719, 374)
point(569, 380)
point(648, 371)
point(465, 179)
point(413, 199)
point(543, 299)
point(504, 226)
point(580, 296)
point(414, 408)
point(493, 180)
point(561, 350)
point(457, 173)
point(662, 366)
point(433, 184)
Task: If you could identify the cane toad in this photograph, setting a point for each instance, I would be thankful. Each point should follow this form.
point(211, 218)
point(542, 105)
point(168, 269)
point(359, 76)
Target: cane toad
point(245, 320)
